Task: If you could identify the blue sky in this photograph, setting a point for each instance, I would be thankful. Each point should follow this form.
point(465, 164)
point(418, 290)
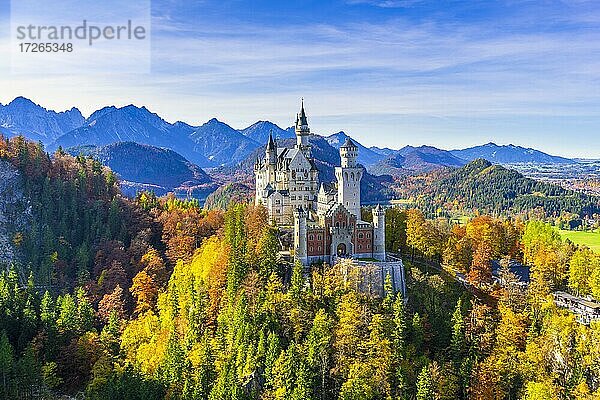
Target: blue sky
point(388, 72)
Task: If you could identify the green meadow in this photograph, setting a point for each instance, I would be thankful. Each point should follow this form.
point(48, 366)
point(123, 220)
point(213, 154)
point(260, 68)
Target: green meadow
point(589, 238)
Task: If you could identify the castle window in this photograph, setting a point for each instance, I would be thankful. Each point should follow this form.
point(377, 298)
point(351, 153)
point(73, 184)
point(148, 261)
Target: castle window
point(293, 197)
point(360, 246)
point(311, 237)
point(360, 235)
point(277, 201)
point(311, 248)
point(368, 236)
point(320, 237)
point(319, 248)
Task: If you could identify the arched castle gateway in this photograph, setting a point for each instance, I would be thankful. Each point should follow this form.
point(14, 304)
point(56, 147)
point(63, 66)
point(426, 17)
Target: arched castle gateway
point(326, 219)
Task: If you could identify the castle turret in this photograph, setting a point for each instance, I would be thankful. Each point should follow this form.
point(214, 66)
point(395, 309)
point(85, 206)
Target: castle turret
point(302, 132)
point(379, 233)
point(271, 151)
point(349, 154)
point(271, 159)
point(348, 177)
point(300, 219)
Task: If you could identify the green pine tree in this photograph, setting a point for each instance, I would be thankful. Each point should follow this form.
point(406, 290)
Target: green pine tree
point(424, 385)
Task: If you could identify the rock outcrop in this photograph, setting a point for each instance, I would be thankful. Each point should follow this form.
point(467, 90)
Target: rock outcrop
point(15, 212)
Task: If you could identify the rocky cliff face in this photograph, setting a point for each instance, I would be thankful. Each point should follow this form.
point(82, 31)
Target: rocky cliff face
point(15, 212)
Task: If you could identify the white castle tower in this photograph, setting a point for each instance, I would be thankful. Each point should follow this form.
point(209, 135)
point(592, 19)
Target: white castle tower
point(379, 233)
point(348, 177)
point(300, 219)
point(287, 178)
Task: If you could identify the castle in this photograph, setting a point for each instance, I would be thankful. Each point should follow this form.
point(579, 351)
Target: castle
point(326, 219)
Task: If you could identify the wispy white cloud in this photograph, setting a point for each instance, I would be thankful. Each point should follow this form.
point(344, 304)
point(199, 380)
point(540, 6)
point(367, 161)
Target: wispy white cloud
point(428, 60)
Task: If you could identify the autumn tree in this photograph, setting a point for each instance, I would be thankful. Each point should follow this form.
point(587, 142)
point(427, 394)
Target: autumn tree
point(480, 272)
point(581, 266)
point(144, 291)
point(458, 253)
point(414, 230)
point(112, 302)
point(319, 348)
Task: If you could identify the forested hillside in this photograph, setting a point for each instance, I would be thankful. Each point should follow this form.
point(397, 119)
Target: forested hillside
point(485, 188)
point(75, 206)
point(157, 298)
point(81, 255)
point(144, 167)
point(227, 194)
point(526, 347)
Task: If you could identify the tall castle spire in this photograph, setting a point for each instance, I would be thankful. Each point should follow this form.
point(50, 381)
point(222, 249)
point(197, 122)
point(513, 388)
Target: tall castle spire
point(271, 150)
point(271, 144)
point(302, 131)
point(302, 122)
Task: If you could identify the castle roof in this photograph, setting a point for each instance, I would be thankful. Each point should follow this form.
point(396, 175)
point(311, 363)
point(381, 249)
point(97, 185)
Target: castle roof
point(328, 188)
point(284, 153)
point(349, 144)
point(302, 115)
point(284, 157)
point(270, 191)
point(271, 145)
point(302, 122)
point(334, 208)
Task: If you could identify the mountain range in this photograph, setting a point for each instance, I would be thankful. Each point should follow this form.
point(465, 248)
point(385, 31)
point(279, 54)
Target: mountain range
point(259, 132)
point(23, 117)
point(415, 159)
point(220, 143)
point(509, 154)
point(211, 144)
point(215, 144)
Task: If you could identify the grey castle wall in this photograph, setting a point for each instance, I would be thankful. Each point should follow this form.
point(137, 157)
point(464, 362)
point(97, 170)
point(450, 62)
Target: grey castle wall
point(373, 274)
